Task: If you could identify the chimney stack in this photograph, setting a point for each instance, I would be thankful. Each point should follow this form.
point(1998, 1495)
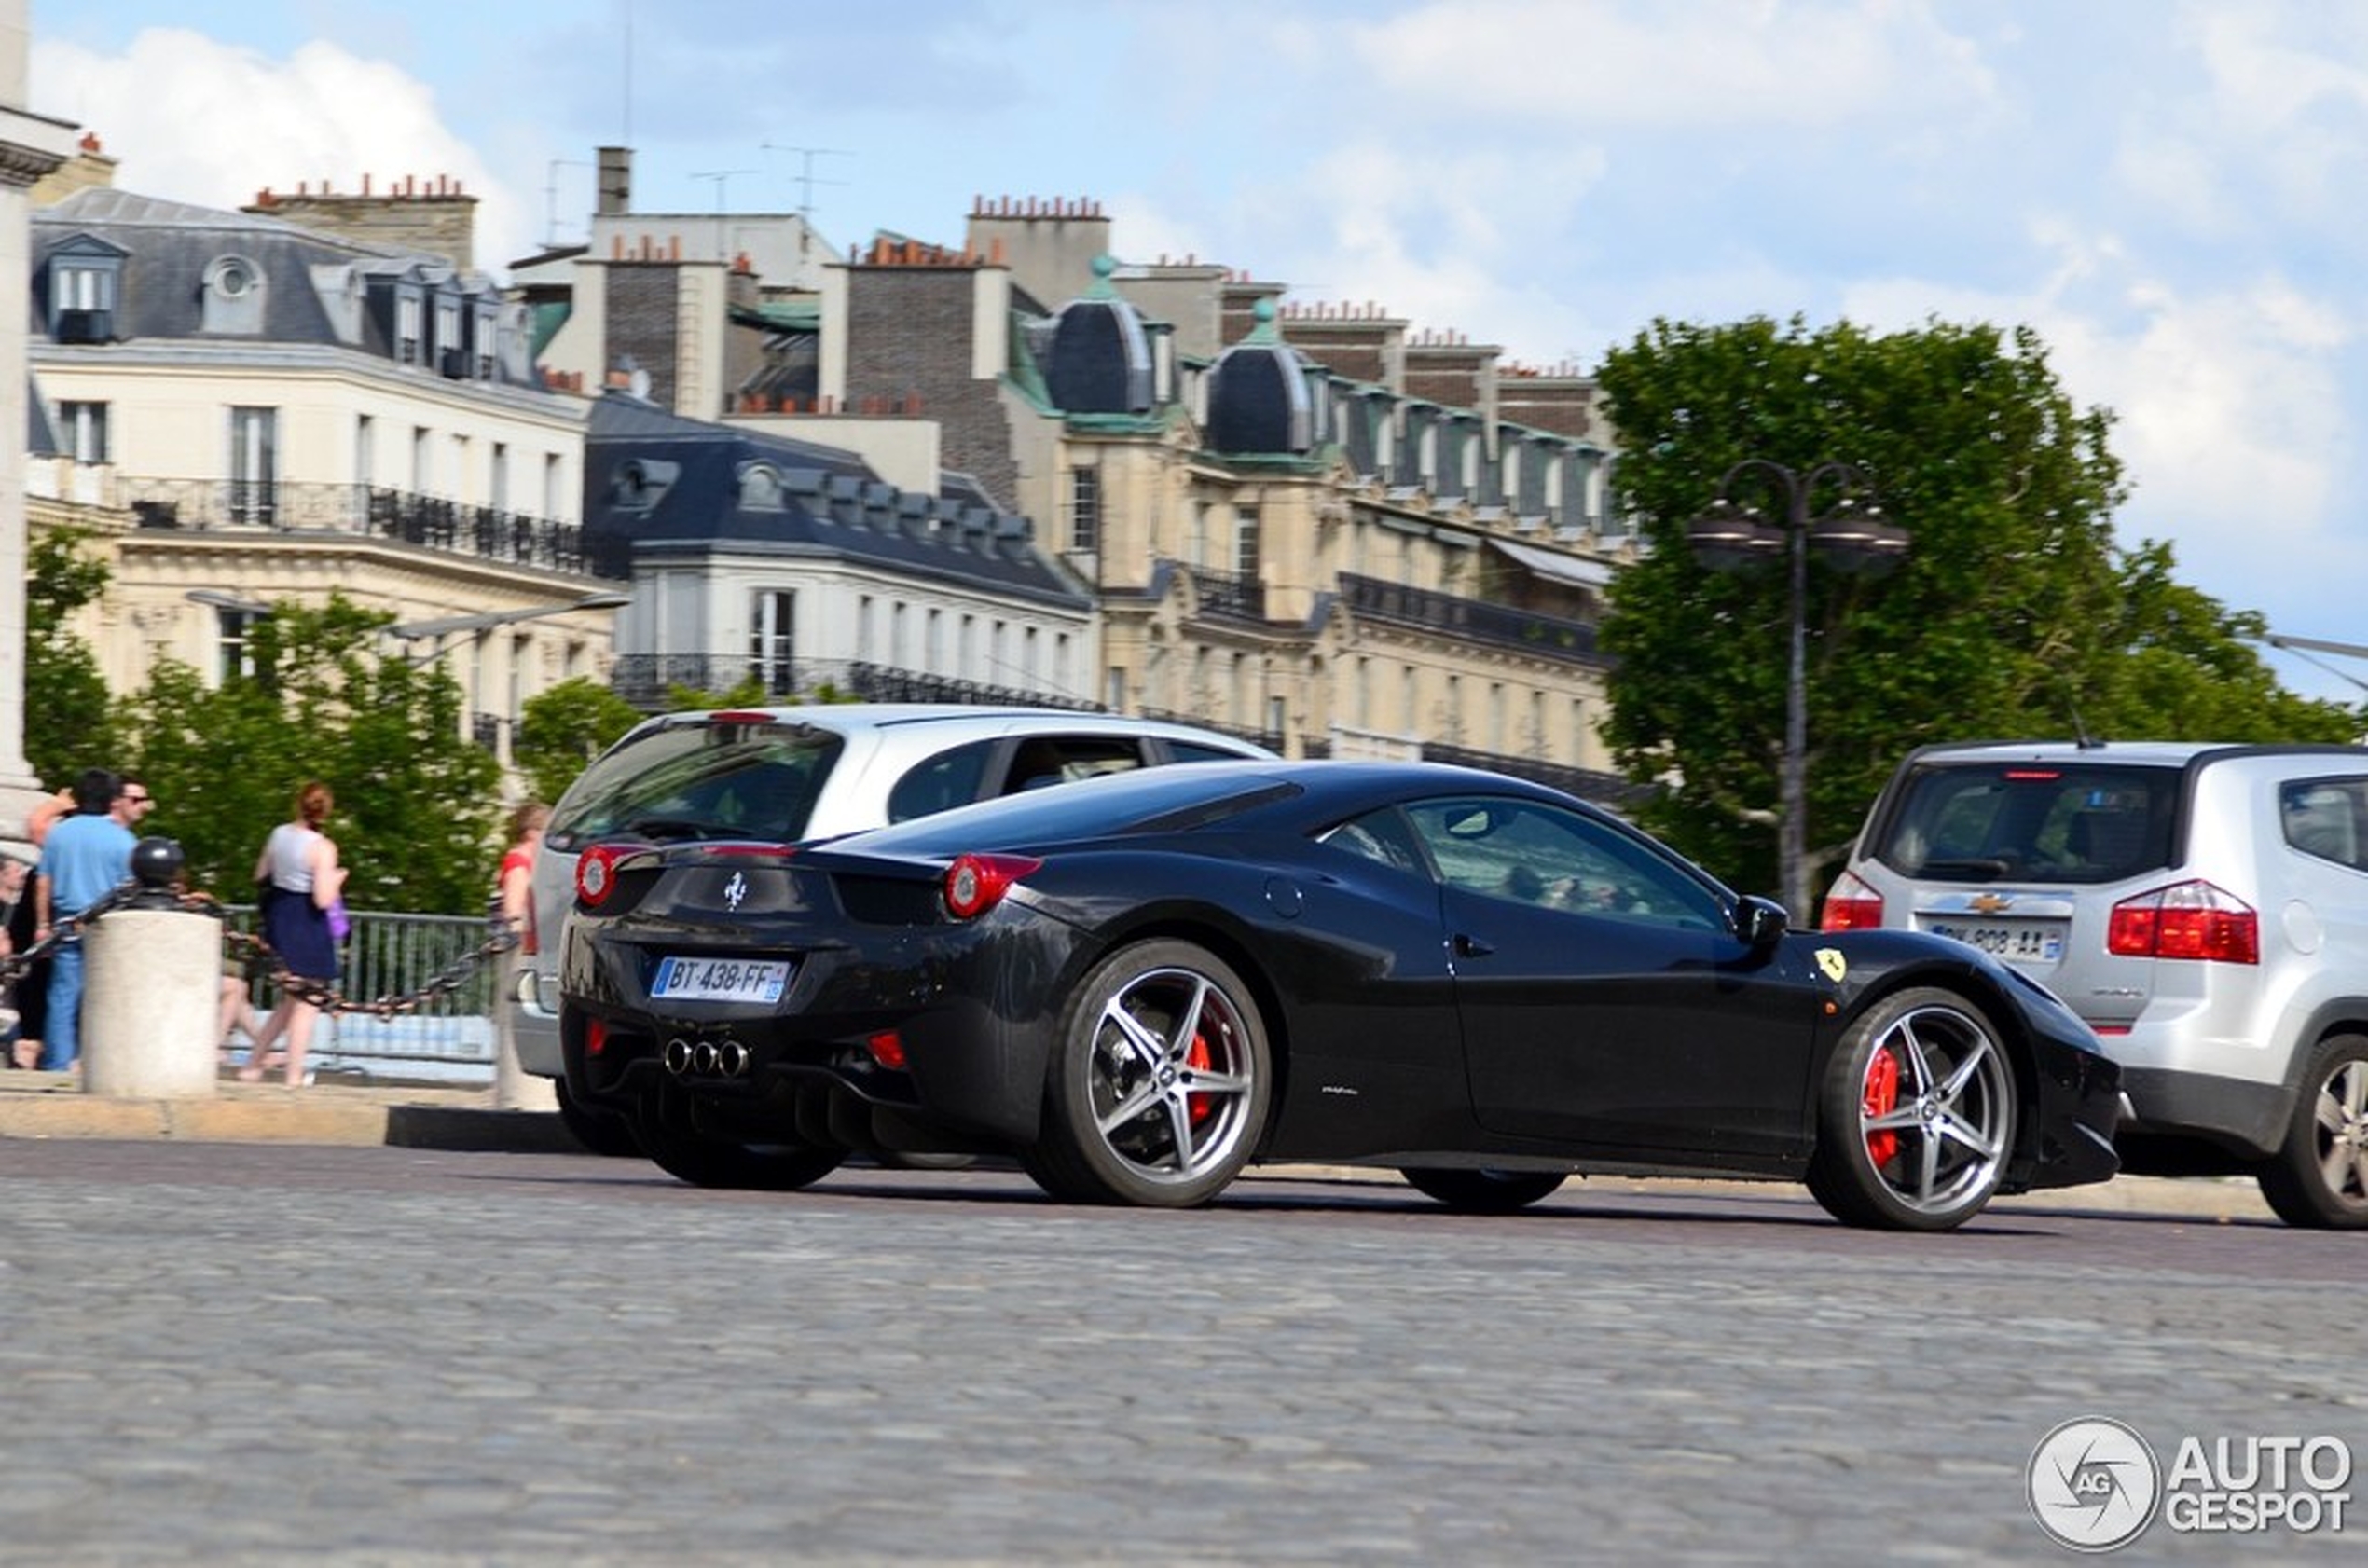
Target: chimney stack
point(615, 197)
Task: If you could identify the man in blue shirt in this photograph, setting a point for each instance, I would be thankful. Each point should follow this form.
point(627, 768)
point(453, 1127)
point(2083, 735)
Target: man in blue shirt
point(85, 857)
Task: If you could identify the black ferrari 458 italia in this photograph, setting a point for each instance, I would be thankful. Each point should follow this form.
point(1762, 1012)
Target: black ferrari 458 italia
point(1139, 984)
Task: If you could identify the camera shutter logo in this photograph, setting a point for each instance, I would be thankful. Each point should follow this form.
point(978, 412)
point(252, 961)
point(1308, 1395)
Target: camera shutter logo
point(2094, 1484)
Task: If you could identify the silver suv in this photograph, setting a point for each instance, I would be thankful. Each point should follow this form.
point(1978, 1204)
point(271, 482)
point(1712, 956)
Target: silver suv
point(801, 773)
point(2204, 907)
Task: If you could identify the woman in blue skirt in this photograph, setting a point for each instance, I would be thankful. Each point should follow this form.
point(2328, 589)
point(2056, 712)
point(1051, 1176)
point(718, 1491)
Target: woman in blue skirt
point(298, 878)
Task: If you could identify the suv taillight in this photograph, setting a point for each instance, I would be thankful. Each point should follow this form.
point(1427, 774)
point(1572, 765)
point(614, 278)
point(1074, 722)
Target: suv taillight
point(2185, 920)
point(1851, 905)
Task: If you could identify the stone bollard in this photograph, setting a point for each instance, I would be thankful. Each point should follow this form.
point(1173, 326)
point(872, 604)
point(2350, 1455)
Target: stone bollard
point(152, 1002)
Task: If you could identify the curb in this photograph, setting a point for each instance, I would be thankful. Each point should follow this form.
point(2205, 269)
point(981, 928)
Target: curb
point(52, 1106)
point(39, 1105)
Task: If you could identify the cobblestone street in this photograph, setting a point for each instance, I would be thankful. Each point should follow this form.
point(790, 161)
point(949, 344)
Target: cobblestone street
point(224, 1355)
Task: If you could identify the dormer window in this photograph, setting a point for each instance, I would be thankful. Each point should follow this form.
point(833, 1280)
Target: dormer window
point(641, 483)
point(409, 321)
point(85, 289)
point(485, 336)
point(84, 286)
point(761, 489)
point(231, 296)
point(451, 354)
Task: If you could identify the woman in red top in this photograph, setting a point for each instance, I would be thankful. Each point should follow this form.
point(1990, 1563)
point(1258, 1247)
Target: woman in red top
point(512, 1088)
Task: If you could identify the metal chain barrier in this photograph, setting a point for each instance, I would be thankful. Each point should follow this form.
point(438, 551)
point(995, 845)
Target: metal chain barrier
point(251, 949)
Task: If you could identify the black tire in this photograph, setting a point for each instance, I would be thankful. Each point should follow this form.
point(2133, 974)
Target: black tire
point(1917, 1142)
point(665, 1132)
point(1484, 1191)
point(2319, 1178)
point(911, 1160)
point(1158, 1082)
point(598, 1129)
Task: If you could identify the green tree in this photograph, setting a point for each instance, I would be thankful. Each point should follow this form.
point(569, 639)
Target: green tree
point(418, 806)
point(562, 729)
point(69, 718)
point(2012, 615)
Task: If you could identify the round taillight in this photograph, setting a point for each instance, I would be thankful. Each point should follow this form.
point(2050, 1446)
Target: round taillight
point(595, 875)
point(975, 883)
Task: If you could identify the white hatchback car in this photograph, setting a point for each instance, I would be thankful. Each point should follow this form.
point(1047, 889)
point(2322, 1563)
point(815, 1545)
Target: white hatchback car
point(790, 774)
point(2203, 907)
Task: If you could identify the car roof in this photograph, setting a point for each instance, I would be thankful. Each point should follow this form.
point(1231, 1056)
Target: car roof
point(884, 718)
point(1114, 800)
point(2140, 753)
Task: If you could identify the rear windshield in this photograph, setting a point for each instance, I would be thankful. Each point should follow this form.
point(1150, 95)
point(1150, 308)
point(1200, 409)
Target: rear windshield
point(2030, 822)
point(699, 780)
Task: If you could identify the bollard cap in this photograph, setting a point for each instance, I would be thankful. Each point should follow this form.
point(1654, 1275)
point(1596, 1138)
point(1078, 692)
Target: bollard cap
point(156, 863)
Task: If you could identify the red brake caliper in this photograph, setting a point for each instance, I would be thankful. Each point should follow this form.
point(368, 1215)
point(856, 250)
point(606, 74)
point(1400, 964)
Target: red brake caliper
point(1198, 1107)
point(1883, 1098)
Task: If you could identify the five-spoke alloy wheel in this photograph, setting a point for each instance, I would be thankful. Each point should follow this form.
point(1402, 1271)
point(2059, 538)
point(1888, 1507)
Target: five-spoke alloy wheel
point(2319, 1177)
point(1917, 1114)
point(1158, 1082)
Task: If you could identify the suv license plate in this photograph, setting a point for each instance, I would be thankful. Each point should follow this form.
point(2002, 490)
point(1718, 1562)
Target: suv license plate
point(2030, 941)
point(720, 980)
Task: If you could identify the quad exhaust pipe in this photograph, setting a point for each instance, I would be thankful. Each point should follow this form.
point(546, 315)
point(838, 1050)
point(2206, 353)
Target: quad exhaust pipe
point(706, 1058)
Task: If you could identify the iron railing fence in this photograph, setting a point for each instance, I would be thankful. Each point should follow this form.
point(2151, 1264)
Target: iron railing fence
point(446, 1038)
point(1229, 596)
point(1476, 620)
point(431, 522)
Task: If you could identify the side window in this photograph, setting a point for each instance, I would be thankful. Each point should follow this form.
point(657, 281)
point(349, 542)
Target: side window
point(1528, 852)
point(1379, 836)
point(2323, 817)
point(1201, 751)
point(1043, 760)
point(946, 780)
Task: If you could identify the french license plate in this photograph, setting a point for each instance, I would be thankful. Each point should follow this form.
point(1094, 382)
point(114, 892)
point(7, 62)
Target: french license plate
point(720, 980)
point(2032, 941)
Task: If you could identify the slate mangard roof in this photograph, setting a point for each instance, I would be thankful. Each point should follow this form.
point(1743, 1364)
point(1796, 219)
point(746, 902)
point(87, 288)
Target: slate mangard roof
point(312, 282)
point(654, 479)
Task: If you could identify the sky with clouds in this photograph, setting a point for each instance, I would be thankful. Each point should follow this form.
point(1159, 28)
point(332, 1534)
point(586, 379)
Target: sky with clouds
point(2162, 188)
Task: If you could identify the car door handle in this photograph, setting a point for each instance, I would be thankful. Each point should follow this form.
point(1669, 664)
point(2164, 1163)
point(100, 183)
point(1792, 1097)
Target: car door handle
point(1468, 946)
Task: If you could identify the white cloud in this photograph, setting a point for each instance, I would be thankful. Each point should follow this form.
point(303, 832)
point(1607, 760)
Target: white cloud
point(195, 120)
point(2231, 417)
point(1697, 67)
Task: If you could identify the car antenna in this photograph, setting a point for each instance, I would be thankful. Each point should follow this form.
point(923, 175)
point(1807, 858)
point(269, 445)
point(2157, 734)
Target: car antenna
point(2081, 736)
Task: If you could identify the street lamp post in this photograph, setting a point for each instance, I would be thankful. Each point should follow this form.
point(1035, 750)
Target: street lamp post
point(1854, 539)
point(436, 631)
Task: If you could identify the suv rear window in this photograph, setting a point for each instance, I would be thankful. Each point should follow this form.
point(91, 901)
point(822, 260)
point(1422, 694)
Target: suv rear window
point(701, 780)
point(2031, 822)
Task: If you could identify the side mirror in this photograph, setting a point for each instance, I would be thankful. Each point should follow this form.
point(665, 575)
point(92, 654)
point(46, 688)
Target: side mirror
point(1759, 923)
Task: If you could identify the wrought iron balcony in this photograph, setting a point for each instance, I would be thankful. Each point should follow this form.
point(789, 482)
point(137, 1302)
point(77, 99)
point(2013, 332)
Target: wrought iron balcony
point(428, 521)
point(1607, 789)
point(1228, 595)
point(650, 681)
point(1475, 620)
